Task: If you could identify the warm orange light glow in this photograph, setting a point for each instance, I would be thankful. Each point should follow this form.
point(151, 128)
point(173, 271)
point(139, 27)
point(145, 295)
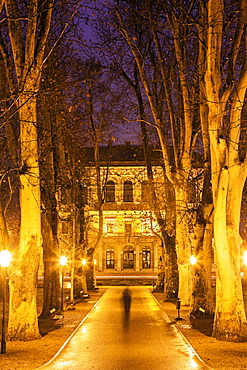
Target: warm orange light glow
point(193, 260)
point(245, 258)
point(5, 258)
point(95, 261)
point(63, 260)
point(84, 262)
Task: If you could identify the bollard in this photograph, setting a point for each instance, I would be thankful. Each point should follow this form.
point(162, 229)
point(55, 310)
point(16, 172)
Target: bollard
point(178, 305)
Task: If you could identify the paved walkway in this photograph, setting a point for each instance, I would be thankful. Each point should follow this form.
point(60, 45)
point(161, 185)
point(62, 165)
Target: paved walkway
point(107, 340)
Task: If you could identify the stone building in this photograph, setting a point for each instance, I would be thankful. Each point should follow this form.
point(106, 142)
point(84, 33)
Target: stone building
point(131, 246)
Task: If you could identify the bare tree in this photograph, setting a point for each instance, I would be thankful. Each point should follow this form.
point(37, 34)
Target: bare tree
point(224, 83)
point(173, 111)
point(23, 53)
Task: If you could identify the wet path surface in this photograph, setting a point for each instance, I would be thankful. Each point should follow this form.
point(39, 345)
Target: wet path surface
point(106, 340)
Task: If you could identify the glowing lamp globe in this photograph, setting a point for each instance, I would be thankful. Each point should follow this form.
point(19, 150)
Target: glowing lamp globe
point(63, 260)
point(5, 258)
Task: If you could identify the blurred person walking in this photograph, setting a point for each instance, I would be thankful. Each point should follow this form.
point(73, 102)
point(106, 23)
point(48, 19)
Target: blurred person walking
point(127, 302)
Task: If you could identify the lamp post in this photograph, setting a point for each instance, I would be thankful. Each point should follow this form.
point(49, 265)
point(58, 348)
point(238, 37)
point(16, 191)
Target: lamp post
point(84, 281)
point(94, 277)
point(5, 257)
point(63, 261)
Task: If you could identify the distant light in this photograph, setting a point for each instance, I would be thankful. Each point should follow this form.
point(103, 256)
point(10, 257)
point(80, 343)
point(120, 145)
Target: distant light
point(5, 258)
point(193, 260)
point(95, 261)
point(84, 262)
point(63, 260)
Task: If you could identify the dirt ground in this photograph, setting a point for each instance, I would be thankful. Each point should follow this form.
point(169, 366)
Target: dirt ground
point(30, 355)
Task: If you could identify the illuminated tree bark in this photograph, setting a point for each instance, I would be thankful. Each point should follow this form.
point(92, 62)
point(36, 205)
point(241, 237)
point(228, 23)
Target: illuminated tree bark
point(225, 100)
point(23, 322)
point(27, 51)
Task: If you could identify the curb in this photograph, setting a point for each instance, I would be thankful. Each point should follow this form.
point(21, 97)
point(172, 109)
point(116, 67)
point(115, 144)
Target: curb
point(71, 335)
point(184, 338)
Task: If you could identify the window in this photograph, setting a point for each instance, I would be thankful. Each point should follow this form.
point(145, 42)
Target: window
point(146, 225)
point(110, 261)
point(128, 257)
point(110, 192)
point(146, 258)
point(110, 226)
point(128, 191)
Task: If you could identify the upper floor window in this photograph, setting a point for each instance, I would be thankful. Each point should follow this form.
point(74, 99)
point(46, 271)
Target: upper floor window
point(110, 226)
point(110, 192)
point(128, 191)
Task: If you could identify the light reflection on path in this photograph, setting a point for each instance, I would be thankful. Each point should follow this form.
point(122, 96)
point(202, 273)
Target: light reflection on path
point(146, 341)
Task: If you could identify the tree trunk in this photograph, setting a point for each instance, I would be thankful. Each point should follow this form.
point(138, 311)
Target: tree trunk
point(51, 287)
point(171, 278)
point(230, 319)
point(183, 246)
point(168, 274)
point(202, 245)
point(49, 219)
point(201, 272)
point(23, 323)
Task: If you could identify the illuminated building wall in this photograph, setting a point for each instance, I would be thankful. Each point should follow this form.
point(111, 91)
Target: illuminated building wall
point(130, 244)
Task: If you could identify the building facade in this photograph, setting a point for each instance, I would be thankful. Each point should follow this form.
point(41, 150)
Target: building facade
point(130, 247)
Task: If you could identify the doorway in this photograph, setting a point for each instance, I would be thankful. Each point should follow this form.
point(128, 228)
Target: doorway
point(128, 257)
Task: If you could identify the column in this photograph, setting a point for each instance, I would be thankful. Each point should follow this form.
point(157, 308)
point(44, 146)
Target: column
point(137, 257)
point(119, 257)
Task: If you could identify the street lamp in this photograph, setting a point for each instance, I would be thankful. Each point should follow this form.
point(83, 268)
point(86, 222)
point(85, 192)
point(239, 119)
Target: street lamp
point(84, 262)
point(5, 258)
point(63, 261)
point(193, 260)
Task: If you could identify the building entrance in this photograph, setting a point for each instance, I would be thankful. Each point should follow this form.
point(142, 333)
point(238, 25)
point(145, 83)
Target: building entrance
point(128, 258)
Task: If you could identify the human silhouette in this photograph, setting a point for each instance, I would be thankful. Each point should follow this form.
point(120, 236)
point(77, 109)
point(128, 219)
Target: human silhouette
point(127, 301)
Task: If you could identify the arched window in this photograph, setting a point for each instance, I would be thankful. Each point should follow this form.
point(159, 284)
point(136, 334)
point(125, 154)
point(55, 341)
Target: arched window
point(146, 258)
point(128, 257)
point(128, 191)
point(110, 192)
point(110, 259)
